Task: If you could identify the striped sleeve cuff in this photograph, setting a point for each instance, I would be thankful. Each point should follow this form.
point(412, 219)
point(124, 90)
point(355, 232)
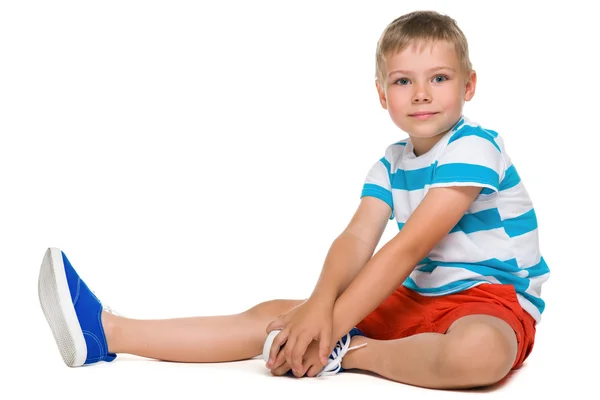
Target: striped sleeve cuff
point(372, 190)
point(466, 174)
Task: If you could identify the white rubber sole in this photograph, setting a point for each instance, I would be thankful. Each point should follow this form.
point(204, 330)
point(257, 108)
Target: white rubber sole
point(268, 344)
point(55, 299)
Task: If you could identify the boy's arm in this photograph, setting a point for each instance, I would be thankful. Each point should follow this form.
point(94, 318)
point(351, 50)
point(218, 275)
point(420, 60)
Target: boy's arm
point(348, 254)
point(351, 250)
point(438, 213)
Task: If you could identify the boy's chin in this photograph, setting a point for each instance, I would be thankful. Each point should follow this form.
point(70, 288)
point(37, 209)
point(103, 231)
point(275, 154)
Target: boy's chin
point(425, 135)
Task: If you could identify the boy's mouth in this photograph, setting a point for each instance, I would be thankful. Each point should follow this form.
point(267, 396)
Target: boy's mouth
point(423, 114)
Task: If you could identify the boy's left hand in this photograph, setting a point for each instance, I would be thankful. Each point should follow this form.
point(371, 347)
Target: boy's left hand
point(311, 363)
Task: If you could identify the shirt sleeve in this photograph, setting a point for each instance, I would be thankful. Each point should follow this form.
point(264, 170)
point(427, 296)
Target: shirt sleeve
point(471, 158)
point(378, 183)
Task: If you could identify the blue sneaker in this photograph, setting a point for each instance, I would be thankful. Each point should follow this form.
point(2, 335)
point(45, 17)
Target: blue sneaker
point(72, 311)
point(342, 347)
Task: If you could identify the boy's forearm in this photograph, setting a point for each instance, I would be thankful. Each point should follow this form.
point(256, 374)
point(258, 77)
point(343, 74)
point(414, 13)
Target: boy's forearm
point(346, 257)
point(374, 283)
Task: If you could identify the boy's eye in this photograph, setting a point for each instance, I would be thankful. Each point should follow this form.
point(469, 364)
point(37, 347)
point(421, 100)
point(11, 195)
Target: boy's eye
point(402, 81)
point(440, 79)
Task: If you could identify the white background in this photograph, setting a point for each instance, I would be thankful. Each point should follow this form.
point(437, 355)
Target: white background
point(196, 158)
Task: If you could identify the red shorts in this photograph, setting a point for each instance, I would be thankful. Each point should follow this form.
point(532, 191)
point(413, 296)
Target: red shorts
point(407, 313)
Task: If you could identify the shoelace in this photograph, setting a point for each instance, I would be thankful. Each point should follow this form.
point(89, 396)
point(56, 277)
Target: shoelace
point(110, 310)
point(335, 363)
point(107, 308)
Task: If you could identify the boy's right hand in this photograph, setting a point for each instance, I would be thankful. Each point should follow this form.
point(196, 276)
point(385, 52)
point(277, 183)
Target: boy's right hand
point(311, 320)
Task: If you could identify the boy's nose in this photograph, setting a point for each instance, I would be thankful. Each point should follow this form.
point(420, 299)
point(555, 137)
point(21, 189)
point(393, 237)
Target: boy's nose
point(421, 99)
point(421, 96)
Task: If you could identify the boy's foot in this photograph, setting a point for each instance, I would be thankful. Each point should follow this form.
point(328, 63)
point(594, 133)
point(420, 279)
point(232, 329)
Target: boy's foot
point(341, 348)
point(72, 311)
point(335, 358)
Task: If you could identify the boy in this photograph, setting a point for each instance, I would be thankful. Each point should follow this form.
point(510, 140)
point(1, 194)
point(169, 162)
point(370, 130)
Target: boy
point(452, 301)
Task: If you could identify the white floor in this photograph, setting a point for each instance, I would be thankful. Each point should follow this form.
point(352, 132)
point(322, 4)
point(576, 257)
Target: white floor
point(132, 377)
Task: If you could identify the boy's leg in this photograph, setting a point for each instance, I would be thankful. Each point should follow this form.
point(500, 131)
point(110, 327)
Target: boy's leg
point(85, 334)
point(195, 339)
point(477, 350)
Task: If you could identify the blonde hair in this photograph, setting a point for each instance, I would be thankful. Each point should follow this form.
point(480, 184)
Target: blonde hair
point(420, 27)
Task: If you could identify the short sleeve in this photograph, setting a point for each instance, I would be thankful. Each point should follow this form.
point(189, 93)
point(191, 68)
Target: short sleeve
point(472, 157)
point(378, 183)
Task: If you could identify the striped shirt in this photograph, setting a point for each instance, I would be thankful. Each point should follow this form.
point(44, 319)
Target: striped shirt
point(496, 241)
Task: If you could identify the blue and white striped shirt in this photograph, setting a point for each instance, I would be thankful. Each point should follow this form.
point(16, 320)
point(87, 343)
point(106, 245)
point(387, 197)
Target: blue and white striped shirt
point(496, 241)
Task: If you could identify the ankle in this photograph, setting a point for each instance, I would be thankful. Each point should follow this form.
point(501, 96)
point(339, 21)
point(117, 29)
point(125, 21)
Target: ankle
point(111, 327)
point(352, 358)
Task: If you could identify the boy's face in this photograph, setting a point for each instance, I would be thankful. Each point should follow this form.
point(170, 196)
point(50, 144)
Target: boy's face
point(425, 88)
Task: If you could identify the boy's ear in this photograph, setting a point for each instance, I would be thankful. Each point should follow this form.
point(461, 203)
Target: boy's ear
point(381, 95)
point(470, 85)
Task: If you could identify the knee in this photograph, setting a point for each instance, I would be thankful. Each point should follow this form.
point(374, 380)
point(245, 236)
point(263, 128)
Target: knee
point(272, 309)
point(481, 354)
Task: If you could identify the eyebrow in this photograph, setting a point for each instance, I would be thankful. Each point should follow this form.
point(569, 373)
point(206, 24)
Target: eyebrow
point(434, 69)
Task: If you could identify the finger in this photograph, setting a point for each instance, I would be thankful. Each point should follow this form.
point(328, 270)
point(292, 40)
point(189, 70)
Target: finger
point(279, 341)
point(276, 324)
point(279, 361)
point(298, 373)
point(281, 370)
point(325, 345)
point(289, 346)
point(276, 345)
point(314, 370)
point(298, 352)
point(306, 366)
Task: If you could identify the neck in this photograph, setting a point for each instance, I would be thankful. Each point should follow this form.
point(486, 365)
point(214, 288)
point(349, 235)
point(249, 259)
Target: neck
point(423, 145)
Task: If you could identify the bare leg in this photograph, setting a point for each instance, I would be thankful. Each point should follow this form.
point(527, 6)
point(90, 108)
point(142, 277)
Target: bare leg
point(195, 339)
point(477, 350)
